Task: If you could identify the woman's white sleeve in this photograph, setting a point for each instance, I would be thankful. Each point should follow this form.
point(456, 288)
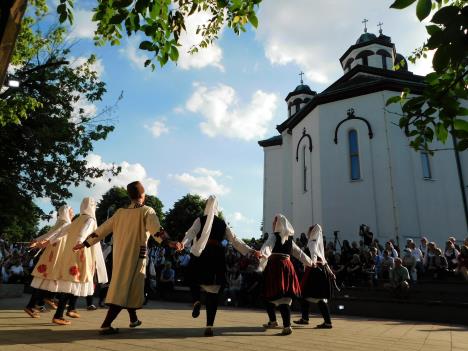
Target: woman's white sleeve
point(192, 232)
point(237, 243)
point(300, 255)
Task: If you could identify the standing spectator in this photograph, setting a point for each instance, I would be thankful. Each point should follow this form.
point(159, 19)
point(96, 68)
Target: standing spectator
point(346, 254)
point(399, 278)
point(386, 265)
point(463, 260)
point(409, 261)
point(451, 255)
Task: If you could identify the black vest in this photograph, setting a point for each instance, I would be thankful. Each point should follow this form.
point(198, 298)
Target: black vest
point(218, 229)
point(282, 248)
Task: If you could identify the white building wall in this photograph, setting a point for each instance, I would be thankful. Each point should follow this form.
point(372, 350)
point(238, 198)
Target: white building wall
point(287, 197)
point(272, 185)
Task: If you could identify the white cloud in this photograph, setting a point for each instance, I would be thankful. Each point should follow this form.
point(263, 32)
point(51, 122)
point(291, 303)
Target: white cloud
point(83, 26)
point(158, 128)
point(202, 181)
point(222, 114)
point(130, 172)
point(210, 56)
point(423, 66)
point(313, 34)
point(136, 56)
point(97, 66)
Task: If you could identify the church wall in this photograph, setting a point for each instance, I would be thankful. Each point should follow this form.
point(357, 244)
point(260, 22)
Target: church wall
point(306, 203)
point(346, 203)
point(287, 195)
point(272, 185)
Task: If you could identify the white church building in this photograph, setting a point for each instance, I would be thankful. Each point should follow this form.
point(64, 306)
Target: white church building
point(341, 160)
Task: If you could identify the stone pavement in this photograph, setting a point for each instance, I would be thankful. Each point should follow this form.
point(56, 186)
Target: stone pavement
point(169, 326)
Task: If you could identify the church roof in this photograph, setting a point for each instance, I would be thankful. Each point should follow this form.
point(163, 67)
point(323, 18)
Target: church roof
point(301, 89)
point(276, 140)
point(361, 80)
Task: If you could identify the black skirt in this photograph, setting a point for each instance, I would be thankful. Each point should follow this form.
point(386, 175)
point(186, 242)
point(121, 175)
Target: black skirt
point(316, 283)
point(207, 269)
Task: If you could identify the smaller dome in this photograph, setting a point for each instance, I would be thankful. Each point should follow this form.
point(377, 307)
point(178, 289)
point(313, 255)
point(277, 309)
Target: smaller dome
point(303, 89)
point(366, 37)
point(398, 61)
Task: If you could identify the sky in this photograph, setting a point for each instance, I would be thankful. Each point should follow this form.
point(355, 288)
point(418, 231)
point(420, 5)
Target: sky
point(193, 127)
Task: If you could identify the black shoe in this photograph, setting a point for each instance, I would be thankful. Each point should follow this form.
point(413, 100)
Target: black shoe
point(208, 331)
point(109, 331)
point(135, 324)
point(92, 308)
point(324, 326)
point(301, 321)
point(196, 309)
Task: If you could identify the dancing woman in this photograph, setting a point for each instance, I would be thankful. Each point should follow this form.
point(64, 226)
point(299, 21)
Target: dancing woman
point(50, 253)
point(207, 265)
point(317, 281)
point(281, 284)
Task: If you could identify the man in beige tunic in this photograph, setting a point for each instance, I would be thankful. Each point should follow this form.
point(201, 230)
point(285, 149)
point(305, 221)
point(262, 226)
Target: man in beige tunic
point(131, 228)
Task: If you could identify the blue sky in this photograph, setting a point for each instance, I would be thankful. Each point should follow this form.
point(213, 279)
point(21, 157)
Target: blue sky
point(194, 127)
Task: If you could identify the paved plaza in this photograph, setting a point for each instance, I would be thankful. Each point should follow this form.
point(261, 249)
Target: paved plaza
point(169, 326)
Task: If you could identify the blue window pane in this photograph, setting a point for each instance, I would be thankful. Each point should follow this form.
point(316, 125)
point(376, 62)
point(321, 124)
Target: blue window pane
point(426, 166)
point(355, 171)
point(353, 142)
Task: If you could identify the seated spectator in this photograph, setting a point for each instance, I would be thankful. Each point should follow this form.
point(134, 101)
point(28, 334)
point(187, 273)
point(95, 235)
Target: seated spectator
point(391, 249)
point(167, 279)
point(355, 248)
point(454, 242)
point(233, 289)
point(399, 278)
point(339, 269)
point(418, 256)
point(354, 271)
point(463, 260)
point(15, 272)
point(438, 266)
point(369, 266)
point(451, 255)
point(183, 261)
point(386, 265)
point(346, 254)
point(409, 261)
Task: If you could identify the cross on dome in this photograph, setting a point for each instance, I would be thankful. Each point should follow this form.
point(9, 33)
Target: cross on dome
point(380, 24)
point(302, 74)
point(365, 24)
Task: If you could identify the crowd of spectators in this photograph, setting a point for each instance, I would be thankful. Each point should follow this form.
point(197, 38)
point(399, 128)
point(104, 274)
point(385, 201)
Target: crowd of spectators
point(359, 263)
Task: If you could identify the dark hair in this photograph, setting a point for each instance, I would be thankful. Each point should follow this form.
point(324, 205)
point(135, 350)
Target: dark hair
point(135, 190)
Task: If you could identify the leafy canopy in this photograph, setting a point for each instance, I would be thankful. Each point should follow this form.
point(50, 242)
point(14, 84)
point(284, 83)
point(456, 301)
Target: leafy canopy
point(161, 22)
point(439, 111)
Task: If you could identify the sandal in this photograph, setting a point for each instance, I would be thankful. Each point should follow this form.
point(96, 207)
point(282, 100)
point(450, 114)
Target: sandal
point(32, 313)
point(196, 309)
point(61, 321)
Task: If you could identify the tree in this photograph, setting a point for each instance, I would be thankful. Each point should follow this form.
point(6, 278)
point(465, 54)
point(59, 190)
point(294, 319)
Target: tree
point(44, 153)
point(19, 220)
point(117, 197)
point(162, 22)
point(439, 112)
point(181, 216)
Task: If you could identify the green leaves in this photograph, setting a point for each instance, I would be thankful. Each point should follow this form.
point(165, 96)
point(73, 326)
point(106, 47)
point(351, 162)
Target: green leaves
point(401, 4)
point(423, 9)
point(460, 124)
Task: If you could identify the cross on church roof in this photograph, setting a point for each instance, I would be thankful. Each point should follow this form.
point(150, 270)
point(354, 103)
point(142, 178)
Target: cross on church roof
point(301, 74)
point(380, 27)
point(365, 24)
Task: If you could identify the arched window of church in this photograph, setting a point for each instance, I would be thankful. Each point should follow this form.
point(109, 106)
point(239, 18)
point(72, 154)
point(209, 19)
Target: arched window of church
point(384, 54)
point(304, 168)
point(354, 155)
point(364, 56)
point(426, 165)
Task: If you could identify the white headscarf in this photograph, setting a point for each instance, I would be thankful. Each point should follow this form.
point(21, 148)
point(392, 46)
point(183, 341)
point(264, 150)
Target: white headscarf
point(64, 214)
point(88, 207)
point(315, 243)
point(211, 210)
point(283, 227)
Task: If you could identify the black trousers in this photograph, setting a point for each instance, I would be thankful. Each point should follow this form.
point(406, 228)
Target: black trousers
point(114, 311)
point(37, 297)
point(212, 303)
point(63, 299)
point(285, 311)
point(323, 307)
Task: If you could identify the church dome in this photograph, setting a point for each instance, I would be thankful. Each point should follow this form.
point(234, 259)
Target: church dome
point(303, 89)
point(366, 37)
